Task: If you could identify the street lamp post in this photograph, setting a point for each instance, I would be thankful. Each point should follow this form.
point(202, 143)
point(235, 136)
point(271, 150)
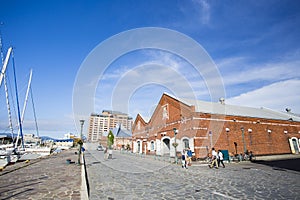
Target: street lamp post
point(81, 142)
point(243, 137)
point(210, 135)
point(175, 144)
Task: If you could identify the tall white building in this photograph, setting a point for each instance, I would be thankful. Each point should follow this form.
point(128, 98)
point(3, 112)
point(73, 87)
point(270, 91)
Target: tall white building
point(100, 123)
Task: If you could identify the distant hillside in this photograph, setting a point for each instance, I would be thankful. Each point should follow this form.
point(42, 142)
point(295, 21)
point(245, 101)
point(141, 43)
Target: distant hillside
point(47, 138)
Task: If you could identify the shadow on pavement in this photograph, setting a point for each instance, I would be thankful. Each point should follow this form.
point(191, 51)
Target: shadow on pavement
point(290, 164)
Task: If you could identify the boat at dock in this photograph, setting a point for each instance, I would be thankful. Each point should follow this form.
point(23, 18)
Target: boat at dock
point(13, 147)
point(8, 155)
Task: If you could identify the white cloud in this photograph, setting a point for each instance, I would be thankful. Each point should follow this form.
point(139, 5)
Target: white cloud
point(268, 82)
point(205, 10)
point(277, 96)
point(115, 73)
point(197, 10)
point(239, 70)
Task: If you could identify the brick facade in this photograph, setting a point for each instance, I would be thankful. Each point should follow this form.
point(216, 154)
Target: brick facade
point(201, 131)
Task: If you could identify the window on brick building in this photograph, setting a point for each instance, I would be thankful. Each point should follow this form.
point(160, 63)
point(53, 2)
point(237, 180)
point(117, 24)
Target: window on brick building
point(185, 143)
point(165, 112)
point(139, 125)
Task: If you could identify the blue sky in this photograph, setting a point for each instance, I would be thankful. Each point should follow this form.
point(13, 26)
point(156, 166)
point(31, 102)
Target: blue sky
point(255, 46)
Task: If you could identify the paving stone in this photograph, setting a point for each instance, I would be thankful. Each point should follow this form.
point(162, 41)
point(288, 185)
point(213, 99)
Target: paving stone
point(47, 178)
point(128, 176)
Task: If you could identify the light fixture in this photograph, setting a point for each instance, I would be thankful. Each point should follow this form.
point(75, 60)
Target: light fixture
point(227, 129)
point(249, 130)
point(269, 131)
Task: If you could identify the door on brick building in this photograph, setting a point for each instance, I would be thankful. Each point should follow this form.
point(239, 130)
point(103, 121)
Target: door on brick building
point(166, 146)
point(139, 147)
point(294, 144)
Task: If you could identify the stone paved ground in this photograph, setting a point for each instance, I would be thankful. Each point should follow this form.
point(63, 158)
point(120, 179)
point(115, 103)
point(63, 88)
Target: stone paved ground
point(47, 178)
point(131, 177)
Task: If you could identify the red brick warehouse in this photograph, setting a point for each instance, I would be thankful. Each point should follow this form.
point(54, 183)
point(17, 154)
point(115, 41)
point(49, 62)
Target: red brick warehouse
point(201, 125)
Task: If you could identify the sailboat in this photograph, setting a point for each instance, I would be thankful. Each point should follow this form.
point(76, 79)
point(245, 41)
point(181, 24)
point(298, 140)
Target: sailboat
point(8, 153)
point(15, 150)
point(31, 151)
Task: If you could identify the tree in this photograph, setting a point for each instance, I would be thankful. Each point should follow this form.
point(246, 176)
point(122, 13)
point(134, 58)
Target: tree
point(110, 139)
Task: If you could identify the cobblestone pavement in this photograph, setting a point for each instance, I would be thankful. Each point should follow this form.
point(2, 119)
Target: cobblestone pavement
point(47, 178)
point(132, 177)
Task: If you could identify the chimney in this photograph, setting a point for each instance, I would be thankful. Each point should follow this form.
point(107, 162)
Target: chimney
point(288, 110)
point(222, 101)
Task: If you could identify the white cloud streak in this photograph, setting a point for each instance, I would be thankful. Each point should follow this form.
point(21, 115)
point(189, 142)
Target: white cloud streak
point(239, 70)
point(204, 8)
point(277, 96)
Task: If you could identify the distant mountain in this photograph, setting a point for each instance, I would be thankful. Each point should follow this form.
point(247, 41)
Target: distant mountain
point(5, 135)
point(47, 138)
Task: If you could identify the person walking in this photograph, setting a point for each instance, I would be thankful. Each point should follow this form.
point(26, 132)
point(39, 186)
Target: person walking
point(214, 159)
point(251, 156)
point(105, 154)
point(183, 160)
point(220, 158)
point(189, 157)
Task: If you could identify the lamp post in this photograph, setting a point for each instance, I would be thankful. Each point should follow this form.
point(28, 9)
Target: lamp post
point(250, 137)
point(210, 135)
point(227, 132)
point(175, 144)
point(243, 137)
point(80, 142)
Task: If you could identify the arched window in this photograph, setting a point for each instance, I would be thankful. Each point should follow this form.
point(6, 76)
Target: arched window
point(165, 112)
point(152, 146)
point(185, 143)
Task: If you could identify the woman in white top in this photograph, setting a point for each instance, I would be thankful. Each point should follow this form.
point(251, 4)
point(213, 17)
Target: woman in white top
point(214, 159)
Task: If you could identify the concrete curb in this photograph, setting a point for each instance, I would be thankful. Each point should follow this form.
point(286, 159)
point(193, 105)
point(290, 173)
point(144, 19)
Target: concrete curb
point(84, 185)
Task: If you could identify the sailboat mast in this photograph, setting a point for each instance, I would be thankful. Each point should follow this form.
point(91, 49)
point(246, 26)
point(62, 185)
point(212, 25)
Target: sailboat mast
point(26, 97)
point(8, 109)
point(33, 107)
point(25, 105)
point(6, 91)
point(18, 105)
point(1, 47)
point(5, 65)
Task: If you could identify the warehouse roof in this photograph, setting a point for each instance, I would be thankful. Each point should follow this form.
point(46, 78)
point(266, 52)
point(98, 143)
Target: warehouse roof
point(225, 109)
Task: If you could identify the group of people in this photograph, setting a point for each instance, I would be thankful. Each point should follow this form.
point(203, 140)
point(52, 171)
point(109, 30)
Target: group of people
point(247, 156)
point(186, 158)
point(216, 159)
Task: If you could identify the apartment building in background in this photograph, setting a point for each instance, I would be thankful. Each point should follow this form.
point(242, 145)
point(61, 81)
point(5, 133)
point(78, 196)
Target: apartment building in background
point(108, 119)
